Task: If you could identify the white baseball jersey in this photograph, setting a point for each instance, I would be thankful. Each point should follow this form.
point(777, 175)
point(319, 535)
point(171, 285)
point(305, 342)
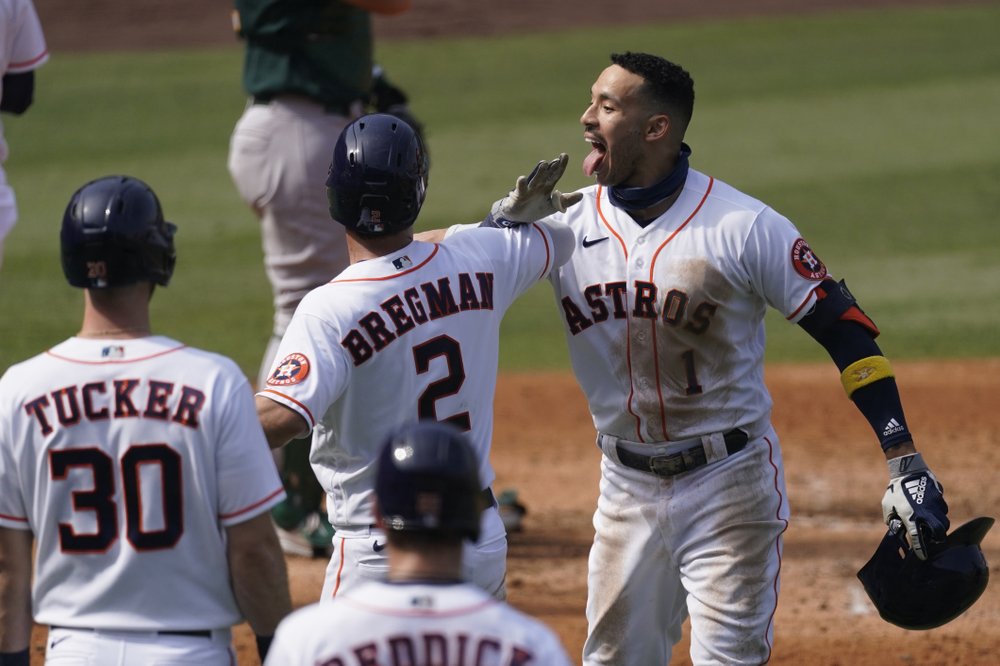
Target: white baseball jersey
point(665, 323)
point(22, 49)
point(418, 624)
point(22, 45)
point(126, 459)
point(412, 335)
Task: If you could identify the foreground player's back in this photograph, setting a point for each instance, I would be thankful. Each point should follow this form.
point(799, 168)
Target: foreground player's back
point(132, 454)
point(415, 623)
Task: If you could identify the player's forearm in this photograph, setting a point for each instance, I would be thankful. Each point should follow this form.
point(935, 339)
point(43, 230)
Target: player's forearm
point(15, 589)
point(281, 424)
point(259, 575)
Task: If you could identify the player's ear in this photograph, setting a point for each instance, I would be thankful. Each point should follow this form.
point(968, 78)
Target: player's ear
point(657, 127)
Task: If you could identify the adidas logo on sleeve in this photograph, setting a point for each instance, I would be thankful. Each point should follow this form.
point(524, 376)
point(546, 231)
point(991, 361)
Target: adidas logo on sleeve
point(892, 427)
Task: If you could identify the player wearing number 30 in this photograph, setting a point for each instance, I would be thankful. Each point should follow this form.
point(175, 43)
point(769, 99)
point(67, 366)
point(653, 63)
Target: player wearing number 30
point(409, 331)
point(137, 463)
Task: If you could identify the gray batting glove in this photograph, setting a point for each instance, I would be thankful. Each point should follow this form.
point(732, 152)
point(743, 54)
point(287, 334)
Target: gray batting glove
point(914, 502)
point(534, 196)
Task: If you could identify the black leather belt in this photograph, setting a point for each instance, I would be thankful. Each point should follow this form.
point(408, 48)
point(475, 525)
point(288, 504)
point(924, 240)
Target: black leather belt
point(195, 633)
point(680, 462)
point(336, 108)
point(488, 498)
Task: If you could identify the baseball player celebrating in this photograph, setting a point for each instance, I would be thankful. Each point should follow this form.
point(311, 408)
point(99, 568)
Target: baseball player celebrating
point(22, 51)
point(137, 463)
point(428, 500)
point(409, 331)
point(663, 304)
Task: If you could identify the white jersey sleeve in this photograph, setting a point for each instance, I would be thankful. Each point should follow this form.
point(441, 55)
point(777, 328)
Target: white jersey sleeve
point(413, 623)
point(781, 266)
point(22, 42)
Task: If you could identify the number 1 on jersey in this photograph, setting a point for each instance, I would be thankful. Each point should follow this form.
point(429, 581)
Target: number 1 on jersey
point(693, 386)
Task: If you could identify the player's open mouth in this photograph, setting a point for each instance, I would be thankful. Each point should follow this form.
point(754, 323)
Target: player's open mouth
point(593, 161)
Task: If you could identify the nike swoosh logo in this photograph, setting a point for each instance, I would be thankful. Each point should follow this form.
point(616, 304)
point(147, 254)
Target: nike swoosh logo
point(378, 547)
point(588, 243)
point(57, 641)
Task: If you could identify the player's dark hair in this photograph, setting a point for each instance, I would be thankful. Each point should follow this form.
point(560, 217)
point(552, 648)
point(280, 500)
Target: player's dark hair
point(667, 84)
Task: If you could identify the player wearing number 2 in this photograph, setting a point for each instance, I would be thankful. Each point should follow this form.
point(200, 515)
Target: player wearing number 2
point(663, 304)
point(139, 466)
point(409, 331)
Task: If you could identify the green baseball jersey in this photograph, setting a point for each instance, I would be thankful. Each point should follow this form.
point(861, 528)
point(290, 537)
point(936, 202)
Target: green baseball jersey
point(321, 49)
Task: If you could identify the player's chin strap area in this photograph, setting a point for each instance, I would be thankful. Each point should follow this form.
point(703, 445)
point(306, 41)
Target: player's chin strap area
point(666, 459)
point(641, 198)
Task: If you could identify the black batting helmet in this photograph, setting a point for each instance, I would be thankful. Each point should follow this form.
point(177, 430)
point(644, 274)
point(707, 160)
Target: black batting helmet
point(113, 234)
point(427, 480)
point(378, 176)
point(923, 594)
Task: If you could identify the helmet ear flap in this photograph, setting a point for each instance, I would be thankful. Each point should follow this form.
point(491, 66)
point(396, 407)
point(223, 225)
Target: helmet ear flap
point(923, 594)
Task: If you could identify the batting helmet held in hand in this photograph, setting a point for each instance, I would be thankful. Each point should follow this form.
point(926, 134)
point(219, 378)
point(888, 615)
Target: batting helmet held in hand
point(113, 235)
point(427, 480)
point(923, 594)
point(378, 176)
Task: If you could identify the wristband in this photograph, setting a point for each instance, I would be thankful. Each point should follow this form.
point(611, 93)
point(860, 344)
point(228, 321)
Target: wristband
point(15, 658)
point(497, 222)
point(911, 463)
point(865, 371)
point(263, 645)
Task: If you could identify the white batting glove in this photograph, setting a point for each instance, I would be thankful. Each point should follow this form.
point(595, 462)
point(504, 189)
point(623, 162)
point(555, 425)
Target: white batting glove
point(534, 196)
point(914, 502)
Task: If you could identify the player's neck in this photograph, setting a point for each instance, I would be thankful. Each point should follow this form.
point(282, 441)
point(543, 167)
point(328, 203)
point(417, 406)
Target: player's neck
point(361, 249)
point(117, 313)
point(437, 564)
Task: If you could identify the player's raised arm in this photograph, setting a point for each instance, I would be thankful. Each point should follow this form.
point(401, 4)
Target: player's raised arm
point(534, 196)
point(533, 199)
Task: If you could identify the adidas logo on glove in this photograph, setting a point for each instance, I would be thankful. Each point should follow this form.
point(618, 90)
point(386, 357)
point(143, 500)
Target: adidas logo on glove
point(892, 427)
point(917, 488)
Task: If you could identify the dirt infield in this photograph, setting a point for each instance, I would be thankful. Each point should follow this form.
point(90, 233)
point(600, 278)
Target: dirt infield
point(544, 436)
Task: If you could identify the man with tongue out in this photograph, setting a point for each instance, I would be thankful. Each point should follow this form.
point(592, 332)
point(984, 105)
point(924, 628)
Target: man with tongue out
point(663, 303)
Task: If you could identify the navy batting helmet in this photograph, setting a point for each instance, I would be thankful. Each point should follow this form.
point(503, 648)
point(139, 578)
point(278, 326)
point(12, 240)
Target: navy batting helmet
point(923, 594)
point(378, 176)
point(427, 480)
point(114, 234)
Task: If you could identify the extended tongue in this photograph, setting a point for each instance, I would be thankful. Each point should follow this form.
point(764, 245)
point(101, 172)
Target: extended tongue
point(592, 162)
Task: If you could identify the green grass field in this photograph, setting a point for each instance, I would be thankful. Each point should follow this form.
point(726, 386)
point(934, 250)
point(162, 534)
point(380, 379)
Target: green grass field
point(876, 132)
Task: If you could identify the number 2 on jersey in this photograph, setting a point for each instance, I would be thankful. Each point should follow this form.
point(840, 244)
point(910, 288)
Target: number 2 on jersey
point(450, 350)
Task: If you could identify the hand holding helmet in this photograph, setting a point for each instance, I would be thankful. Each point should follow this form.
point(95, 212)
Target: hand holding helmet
point(914, 501)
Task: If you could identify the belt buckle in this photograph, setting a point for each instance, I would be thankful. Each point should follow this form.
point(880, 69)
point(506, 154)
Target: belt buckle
point(667, 465)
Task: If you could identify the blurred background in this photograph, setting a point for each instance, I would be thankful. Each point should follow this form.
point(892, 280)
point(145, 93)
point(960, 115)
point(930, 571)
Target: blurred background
point(873, 125)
